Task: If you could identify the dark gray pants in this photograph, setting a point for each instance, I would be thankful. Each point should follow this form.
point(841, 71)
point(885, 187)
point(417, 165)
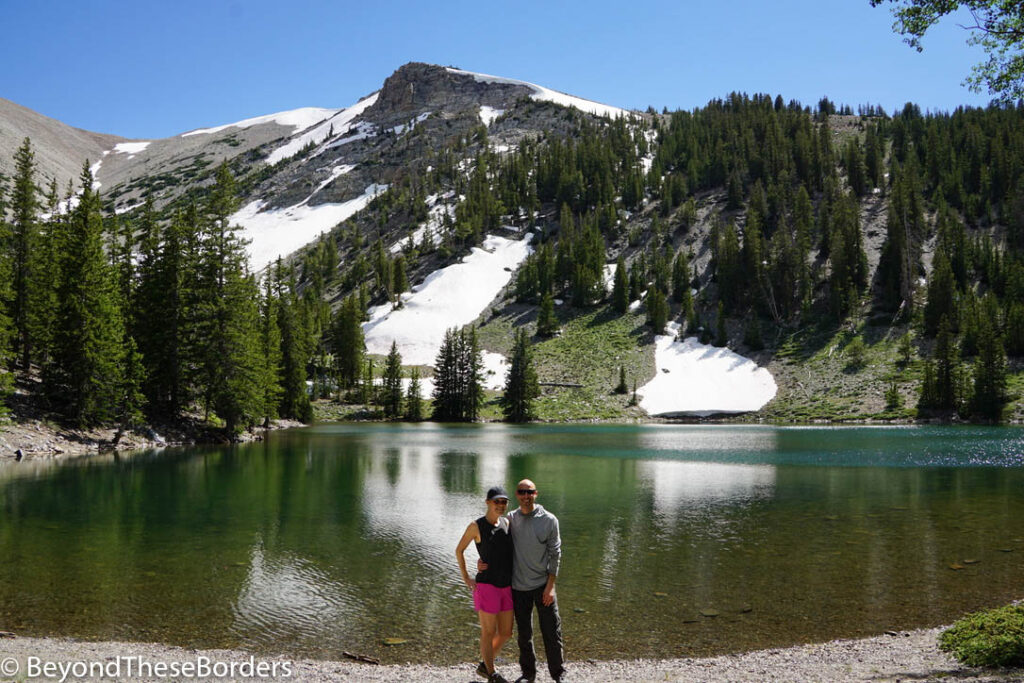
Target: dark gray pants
point(523, 603)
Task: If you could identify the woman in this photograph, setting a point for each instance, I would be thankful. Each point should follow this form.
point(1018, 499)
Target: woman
point(492, 589)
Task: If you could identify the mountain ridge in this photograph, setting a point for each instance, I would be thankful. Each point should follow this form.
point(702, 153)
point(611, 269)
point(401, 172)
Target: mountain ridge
point(745, 214)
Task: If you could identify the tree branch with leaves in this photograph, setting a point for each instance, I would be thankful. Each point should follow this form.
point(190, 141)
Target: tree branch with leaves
point(998, 27)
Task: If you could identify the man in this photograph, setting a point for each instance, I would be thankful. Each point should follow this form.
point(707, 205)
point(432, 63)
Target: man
point(537, 548)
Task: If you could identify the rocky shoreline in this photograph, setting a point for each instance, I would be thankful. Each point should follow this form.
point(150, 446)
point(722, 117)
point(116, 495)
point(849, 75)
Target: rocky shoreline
point(911, 655)
point(35, 439)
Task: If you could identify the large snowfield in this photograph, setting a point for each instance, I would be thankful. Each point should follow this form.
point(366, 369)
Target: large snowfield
point(283, 231)
point(699, 379)
point(337, 123)
point(297, 119)
point(450, 297)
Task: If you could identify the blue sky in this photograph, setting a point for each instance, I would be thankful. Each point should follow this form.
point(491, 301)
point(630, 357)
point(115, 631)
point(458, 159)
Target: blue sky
point(145, 69)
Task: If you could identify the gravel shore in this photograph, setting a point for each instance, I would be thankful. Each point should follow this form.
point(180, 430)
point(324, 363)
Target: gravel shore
point(907, 656)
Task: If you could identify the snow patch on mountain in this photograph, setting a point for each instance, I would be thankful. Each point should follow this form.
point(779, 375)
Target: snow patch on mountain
point(609, 276)
point(488, 114)
point(95, 171)
point(699, 379)
point(406, 127)
point(297, 119)
point(450, 297)
point(131, 148)
point(543, 94)
point(360, 131)
point(434, 222)
point(495, 370)
point(282, 231)
point(340, 122)
point(334, 173)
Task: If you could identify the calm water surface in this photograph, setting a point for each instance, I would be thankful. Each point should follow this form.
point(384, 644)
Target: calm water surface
point(334, 537)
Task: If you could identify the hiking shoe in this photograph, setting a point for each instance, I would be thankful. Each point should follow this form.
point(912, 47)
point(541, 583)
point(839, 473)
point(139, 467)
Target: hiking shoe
point(524, 679)
point(496, 678)
point(481, 669)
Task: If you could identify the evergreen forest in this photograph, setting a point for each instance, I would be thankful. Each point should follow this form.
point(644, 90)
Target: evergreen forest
point(748, 222)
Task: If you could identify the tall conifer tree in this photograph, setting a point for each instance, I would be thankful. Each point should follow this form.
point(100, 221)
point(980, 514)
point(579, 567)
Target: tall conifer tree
point(84, 377)
point(5, 297)
point(25, 209)
point(521, 386)
point(270, 338)
point(620, 288)
point(391, 394)
point(413, 400)
point(231, 355)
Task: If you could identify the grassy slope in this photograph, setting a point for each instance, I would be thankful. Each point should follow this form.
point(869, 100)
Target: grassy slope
point(593, 344)
point(812, 367)
point(818, 379)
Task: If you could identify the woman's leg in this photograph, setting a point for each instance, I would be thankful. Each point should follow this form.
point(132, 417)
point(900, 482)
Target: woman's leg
point(488, 630)
point(503, 631)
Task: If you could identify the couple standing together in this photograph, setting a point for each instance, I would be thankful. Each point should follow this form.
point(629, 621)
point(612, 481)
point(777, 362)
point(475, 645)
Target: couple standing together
point(519, 557)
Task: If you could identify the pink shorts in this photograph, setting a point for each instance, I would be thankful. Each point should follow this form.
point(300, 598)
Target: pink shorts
point(491, 599)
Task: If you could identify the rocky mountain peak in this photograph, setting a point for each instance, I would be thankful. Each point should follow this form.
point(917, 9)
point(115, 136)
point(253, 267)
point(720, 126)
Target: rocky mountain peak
point(417, 87)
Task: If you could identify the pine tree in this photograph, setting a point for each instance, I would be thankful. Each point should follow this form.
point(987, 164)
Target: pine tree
point(752, 334)
point(729, 268)
point(458, 386)
point(620, 288)
point(1015, 329)
point(906, 349)
point(84, 377)
point(989, 393)
point(945, 360)
point(231, 358)
point(471, 375)
point(547, 321)
point(5, 297)
point(721, 337)
point(848, 275)
point(657, 310)
point(413, 401)
point(391, 391)
point(446, 379)
point(941, 302)
point(296, 347)
point(347, 342)
point(893, 400)
point(166, 312)
point(130, 396)
point(122, 254)
point(929, 397)
point(521, 386)
point(24, 207)
point(622, 387)
point(44, 272)
point(905, 227)
point(270, 343)
point(367, 388)
point(400, 282)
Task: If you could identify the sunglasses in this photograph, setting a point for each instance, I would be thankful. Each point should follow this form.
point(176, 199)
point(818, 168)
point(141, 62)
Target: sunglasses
point(500, 501)
point(526, 492)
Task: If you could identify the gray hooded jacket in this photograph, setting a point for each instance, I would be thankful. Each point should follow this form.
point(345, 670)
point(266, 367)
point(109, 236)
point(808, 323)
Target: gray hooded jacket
point(537, 548)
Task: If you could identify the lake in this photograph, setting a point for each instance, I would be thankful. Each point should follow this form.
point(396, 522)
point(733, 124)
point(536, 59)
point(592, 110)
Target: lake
point(677, 540)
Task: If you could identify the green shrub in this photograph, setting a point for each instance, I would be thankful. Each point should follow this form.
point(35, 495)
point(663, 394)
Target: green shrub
point(989, 638)
point(856, 353)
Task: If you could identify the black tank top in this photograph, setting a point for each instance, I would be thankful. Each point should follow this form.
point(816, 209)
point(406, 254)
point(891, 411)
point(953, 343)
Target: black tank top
point(495, 548)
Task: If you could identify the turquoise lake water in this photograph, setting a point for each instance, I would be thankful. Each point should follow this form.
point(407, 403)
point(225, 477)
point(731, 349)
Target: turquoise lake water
point(334, 537)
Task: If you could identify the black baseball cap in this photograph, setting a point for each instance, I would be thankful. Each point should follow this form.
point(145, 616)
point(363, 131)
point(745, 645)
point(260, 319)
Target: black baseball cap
point(496, 492)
